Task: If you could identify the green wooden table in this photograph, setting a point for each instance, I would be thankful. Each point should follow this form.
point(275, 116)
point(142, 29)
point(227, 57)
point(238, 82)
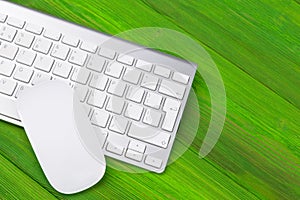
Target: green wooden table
point(256, 46)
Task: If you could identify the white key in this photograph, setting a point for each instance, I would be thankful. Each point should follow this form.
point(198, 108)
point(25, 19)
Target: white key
point(135, 94)
point(2, 17)
point(7, 86)
point(137, 146)
point(54, 35)
point(7, 33)
point(80, 75)
point(162, 71)
point(115, 105)
point(97, 98)
point(116, 149)
point(100, 118)
point(60, 51)
point(117, 140)
point(6, 67)
point(115, 69)
point(43, 63)
point(118, 124)
point(171, 107)
point(172, 89)
point(96, 63)
point(141, 64)
point(152, 117)
point(26, 57)
point(24, 39)
point(153, 100)
point(149, 82)
point(42, 45)
point(117, 88)
point(33, 28)
point(154, 162)
point(108, 53)
point(132, 76)
point(92, 48)
point(18, 23)
point(23, 74)
point(78, 57)
point(20, 89)
point(99, 81)
point(134, 111)
point(101, 134)
point(181, 78)
point(62, 69)
point(134, 155)
point(8, 51)
point(40, 77)
point(125, 59)
point(81, 92)
point(149, 135)
point(70, 40)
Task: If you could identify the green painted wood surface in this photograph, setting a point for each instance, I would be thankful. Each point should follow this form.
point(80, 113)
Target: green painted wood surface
point(256, 46)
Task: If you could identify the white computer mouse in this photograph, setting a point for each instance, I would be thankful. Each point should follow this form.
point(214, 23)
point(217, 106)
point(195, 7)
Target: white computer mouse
point(61, 136)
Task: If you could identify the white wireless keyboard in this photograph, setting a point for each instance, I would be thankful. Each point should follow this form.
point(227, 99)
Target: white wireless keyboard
point(136, 98)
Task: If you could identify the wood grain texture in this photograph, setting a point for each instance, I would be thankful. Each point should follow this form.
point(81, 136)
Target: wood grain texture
point(256, 46)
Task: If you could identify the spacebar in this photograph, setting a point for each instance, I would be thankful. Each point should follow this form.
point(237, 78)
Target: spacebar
point(8, 108)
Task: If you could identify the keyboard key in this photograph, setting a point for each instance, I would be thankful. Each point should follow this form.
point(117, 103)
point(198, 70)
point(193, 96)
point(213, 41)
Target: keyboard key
point(149, 82)
point(135, 94)
point(146, 66)
point(117, 88)
point(7, 86)
point(116, 149)
point(96, 63)
point(80, 76)
point(42, 45)
point(23, 74)
point(152, 117)
point(115, 105)
point(118, 124)
point(8, 51)
point(7, 33)
point(81, 92)
point(107, 53)
point(70, 40)
point(137, 146)
point(24, 39)
point(6, 67)
point(101, 134)
point(33, 28)
point(148, 134)
point(134, 111)
point(97, 99)
point(115, 69)
point(162, 71)
point(132, 76)
point(2, 17)
point(172, 89)
point(153, 100)
point(99, 81)
point(100, 118)
point(60, 51)
point(125, 59)
point(62, 69)
point(181, 78)
point(92, 48)
point(26, 57)
point(78, 57)
point(18, 23)
point(54, 35)
point(154, 162)
point(43, 63)
point(134, 155)
point(171, 107)
point(20, 89)
point(40, 77)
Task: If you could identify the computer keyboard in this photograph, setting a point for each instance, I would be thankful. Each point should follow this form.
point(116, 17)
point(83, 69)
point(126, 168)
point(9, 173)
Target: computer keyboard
point(134, 100)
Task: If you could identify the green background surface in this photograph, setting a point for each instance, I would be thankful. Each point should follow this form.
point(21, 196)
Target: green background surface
point(256, 46)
